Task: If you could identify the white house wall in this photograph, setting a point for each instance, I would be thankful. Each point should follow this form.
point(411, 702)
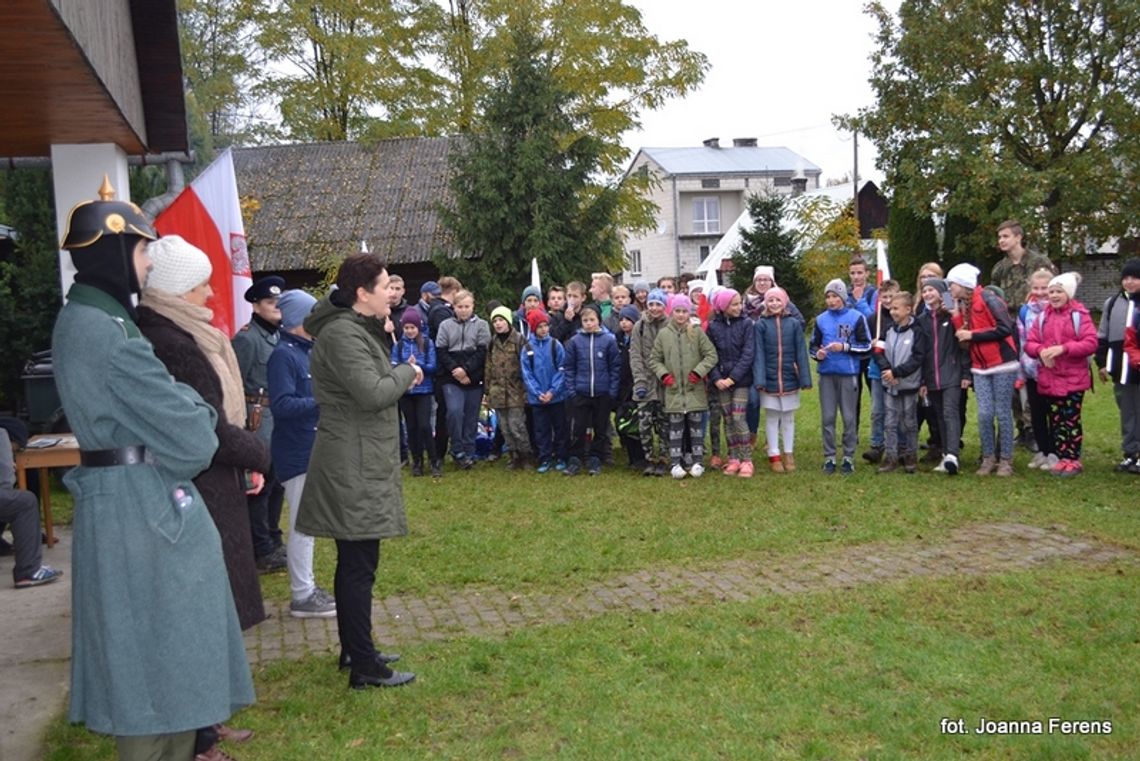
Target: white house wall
point(672, 246)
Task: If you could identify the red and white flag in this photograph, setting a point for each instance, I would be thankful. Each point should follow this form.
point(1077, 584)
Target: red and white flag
point(208, 215)
point(882, 268)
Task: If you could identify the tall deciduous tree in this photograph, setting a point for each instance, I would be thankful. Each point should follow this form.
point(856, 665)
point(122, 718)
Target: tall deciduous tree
point(524, 186)
point(346, 69)
point(217, 63)
point(1024, 109)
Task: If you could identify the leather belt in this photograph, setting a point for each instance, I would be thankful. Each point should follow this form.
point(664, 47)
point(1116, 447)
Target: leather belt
point(106, 458)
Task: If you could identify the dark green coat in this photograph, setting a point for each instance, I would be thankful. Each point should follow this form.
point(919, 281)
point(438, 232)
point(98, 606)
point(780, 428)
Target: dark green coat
point(353, 487)
point(156, 646)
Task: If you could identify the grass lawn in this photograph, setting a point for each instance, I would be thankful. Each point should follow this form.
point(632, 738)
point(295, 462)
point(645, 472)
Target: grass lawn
point(861, 673)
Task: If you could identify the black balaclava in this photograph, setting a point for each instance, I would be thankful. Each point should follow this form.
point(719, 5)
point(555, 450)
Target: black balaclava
point(109, 265)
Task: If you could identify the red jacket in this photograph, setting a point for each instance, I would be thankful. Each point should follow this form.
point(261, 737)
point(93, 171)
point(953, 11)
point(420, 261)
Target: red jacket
point(988, 320)
point(1055, 327)
point(1132, 343)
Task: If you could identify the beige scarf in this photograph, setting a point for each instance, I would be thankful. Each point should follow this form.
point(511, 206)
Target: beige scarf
point(195, 320)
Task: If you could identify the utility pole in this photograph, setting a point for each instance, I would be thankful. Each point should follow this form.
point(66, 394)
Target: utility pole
point(855, 184)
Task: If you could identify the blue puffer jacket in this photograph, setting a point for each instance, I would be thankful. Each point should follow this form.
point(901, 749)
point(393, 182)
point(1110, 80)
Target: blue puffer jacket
point(735, 343)
point(592, 365)
point(849, 328)
point(425, 358)
point(294, 408)
point(780, 360)
point(541, 360)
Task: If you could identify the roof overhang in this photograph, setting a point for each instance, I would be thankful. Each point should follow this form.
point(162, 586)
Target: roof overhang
point(100, 71)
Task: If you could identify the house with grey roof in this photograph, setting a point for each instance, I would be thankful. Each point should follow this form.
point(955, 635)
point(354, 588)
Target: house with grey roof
point(308, 204)
point(699, 192)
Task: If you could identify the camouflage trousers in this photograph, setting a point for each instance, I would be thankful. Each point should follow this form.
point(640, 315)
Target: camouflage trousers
point(651, 419)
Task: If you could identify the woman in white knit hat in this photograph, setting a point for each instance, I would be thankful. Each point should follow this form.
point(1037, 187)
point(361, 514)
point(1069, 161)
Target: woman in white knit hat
point(173, 315)
point(1062, 338)
point(984, 325)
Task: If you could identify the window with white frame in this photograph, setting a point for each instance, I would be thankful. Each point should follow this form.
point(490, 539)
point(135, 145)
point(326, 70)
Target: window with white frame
point(706, 215)
point(635, 262)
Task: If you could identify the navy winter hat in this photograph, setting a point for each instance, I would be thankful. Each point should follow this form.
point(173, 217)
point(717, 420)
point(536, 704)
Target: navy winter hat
point(629, 312)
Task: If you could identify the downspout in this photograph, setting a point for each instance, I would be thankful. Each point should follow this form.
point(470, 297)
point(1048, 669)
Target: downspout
point(175, 183)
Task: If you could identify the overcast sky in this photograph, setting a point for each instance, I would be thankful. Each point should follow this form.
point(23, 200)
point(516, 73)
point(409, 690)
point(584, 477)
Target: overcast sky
point(779, 70)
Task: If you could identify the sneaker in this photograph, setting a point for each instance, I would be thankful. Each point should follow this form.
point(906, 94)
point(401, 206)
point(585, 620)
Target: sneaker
point(716, 463)
point(732, 468)
point(544, 466)
point(1036, 461)
point(746, 470)
point(436, 469)
point(560, 466)
point(950, 465)
point(661, 469)
point(697, 470)
point(650, 469)
point(677, 472)
point(417, 469)
point(848, 466)
point(573, 467)
point(1126, 465)
point(320, 604)
point(986, 468)
point(1050, 461)
point(1005, 467)
point(45, 574)
point(273, 562)
point(594, 466)
point(829, 467)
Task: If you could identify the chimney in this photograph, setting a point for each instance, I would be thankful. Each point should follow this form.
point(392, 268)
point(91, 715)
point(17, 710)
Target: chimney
point(744, 142)
point(799, 183)
point(712, 142)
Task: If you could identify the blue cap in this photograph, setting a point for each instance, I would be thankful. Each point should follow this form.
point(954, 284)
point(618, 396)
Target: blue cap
point(431, 287)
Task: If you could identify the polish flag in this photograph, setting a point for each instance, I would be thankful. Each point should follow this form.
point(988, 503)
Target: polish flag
point(208, 215)
point(882, 268)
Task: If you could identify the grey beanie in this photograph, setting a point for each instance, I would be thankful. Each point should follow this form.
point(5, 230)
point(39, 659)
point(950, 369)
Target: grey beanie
point(838, 287)
point(295, 307)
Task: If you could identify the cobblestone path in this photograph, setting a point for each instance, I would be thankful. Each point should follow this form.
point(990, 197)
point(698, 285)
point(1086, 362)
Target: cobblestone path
point(489, 612)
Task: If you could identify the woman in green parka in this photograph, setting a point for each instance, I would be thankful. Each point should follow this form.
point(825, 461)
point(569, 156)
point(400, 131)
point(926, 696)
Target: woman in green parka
point(353, 492)
point(156, 648)
point(682, 356)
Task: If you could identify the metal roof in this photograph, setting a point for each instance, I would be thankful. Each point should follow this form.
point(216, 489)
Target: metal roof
point(734, 160)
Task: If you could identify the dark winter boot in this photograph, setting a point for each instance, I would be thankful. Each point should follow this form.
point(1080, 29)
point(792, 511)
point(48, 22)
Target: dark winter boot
point(890, 463)
point(418, 467)
point(933, 456)
point(873, 455)
point(910, 462)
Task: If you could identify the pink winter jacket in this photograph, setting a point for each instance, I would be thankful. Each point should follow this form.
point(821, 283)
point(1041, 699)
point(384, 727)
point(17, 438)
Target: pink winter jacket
point(1070, 371)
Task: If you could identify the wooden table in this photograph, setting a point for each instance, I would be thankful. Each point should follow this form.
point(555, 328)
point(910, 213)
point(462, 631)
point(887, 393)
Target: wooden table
point(64, 454)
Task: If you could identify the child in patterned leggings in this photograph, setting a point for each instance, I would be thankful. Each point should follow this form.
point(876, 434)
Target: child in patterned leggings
point(1063, 338)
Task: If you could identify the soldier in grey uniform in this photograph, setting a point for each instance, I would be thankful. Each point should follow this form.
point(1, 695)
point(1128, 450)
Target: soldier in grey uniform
point(253, 344)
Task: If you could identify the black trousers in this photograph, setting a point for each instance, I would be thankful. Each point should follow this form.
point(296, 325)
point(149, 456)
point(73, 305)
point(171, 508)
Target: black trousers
point(356, 563)
point(589, 412)
point(265, 515)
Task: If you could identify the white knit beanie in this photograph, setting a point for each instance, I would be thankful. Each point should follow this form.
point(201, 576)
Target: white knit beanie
point(764, 269)
point(1068, 281)
point(178, 266)
point(965, 275)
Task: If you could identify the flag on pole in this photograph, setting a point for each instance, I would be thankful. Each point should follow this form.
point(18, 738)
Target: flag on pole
point(208, 215)
point(882, 267)
point(534, 280)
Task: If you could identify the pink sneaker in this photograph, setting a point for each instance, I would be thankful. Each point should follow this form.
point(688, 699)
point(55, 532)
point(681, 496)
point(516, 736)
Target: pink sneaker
point(745, 470)
point(732, 468)
point(716, 462)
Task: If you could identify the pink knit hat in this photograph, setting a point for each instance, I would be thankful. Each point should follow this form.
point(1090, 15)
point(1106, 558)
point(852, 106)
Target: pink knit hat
point(680, 301)
point(721, 299)
point(778, 292)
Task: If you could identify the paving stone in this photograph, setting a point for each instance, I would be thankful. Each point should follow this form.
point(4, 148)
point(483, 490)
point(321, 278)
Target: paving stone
point(487, 612)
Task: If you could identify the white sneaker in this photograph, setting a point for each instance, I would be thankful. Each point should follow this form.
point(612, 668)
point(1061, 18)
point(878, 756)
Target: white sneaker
point(697, 470)
point(1049, 462)
point(941, 467)
point(1038, 460)
point(678, 472)
point(949, 465)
